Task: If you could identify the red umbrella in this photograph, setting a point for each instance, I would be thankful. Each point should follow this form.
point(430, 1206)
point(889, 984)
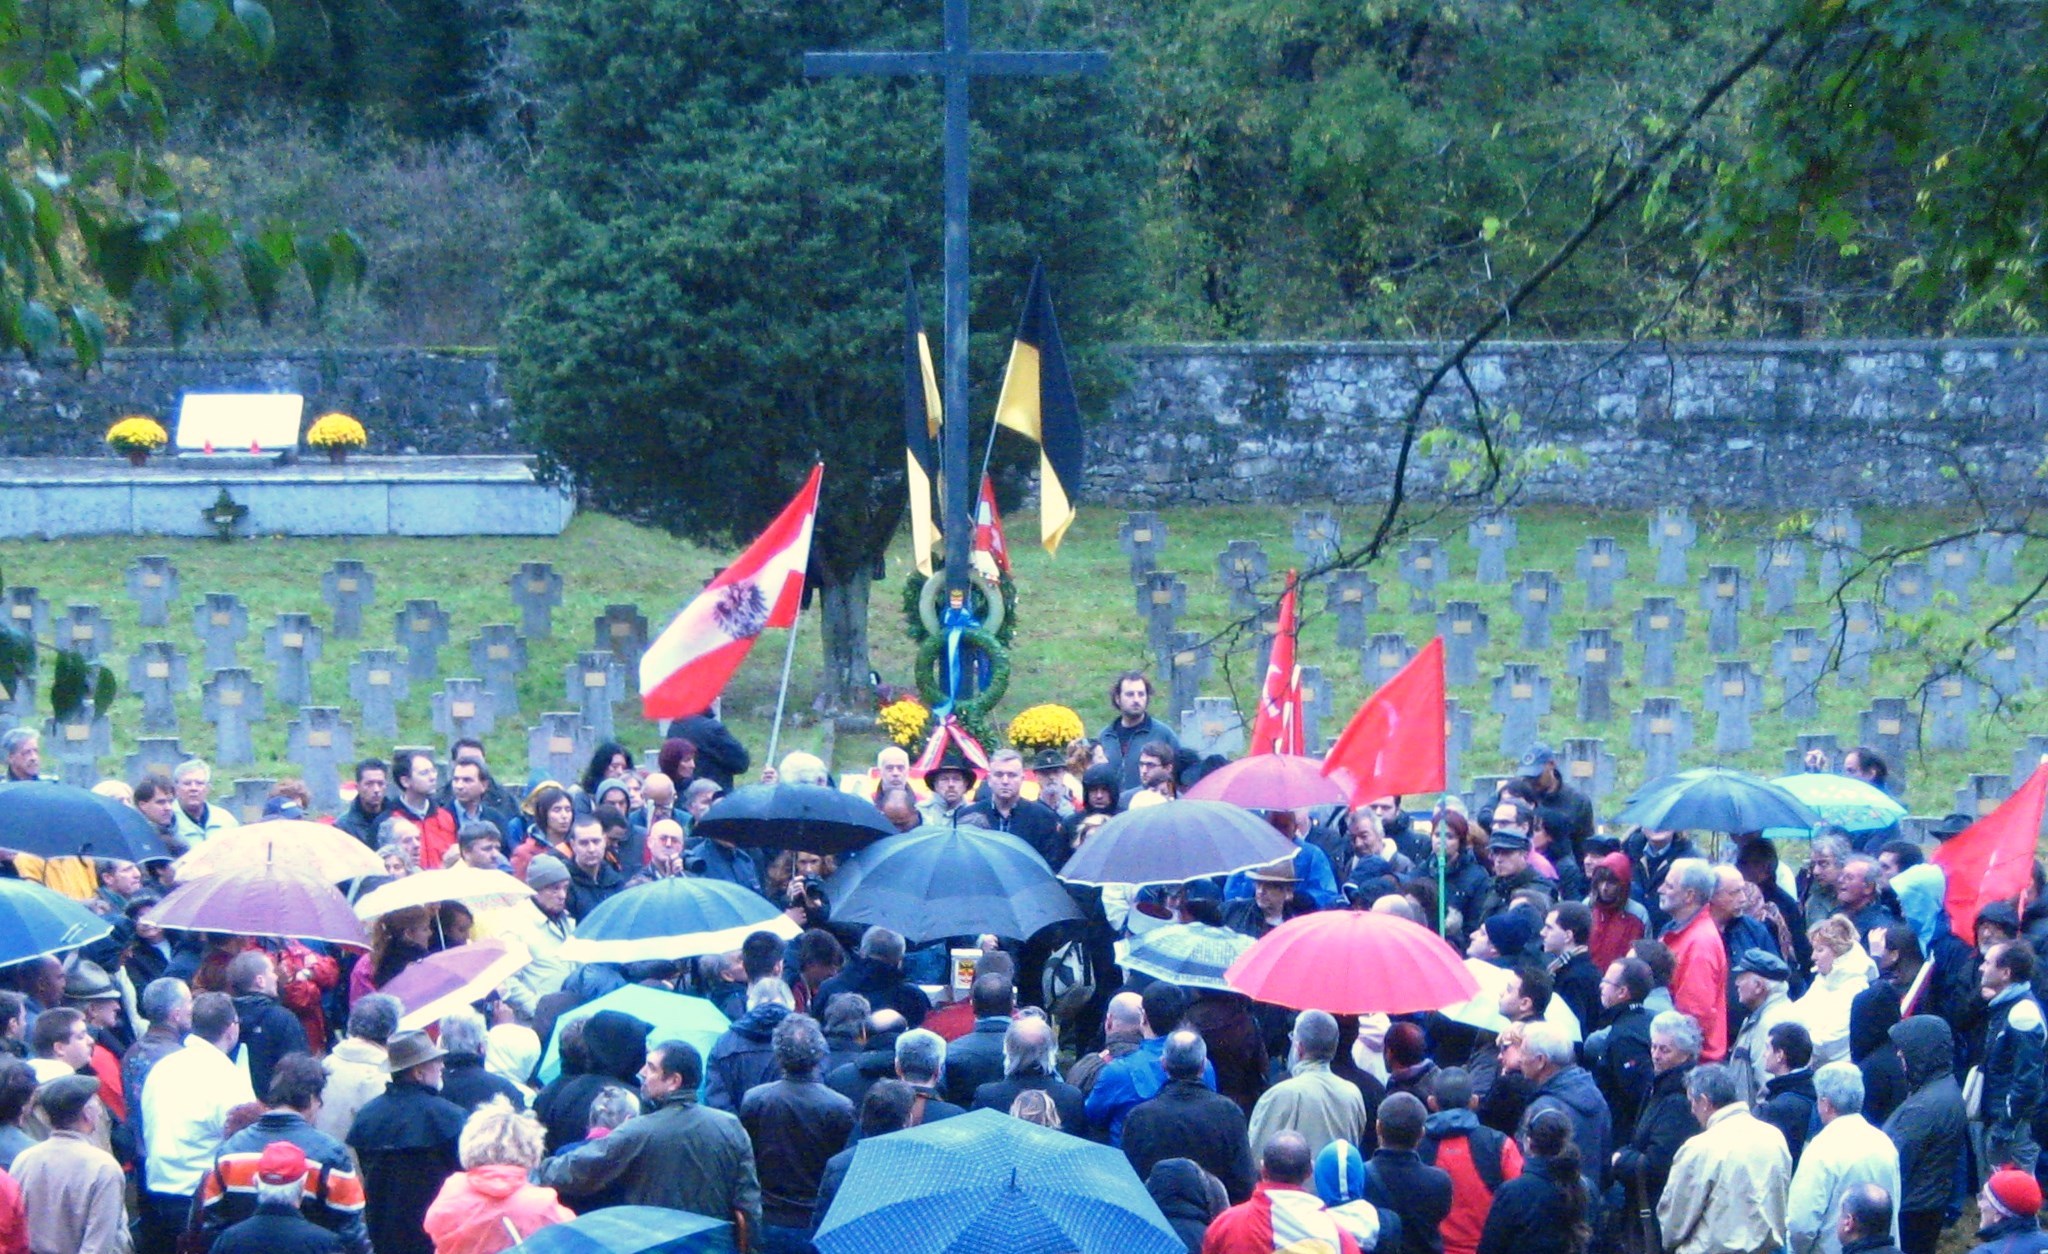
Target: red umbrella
point(265, 900)
point(1352, 962)
point(1270, 781)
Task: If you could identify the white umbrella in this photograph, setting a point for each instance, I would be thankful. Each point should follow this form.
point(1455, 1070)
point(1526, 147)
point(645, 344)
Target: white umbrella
point(1483, 1010)
point(474, 887)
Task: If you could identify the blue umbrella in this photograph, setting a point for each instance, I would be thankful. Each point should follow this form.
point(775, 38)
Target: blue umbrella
point(674, 918)
point(633, 1230)
point(934, 882)
point(675, 1016)
point(35, 921)
point(1711, 799)
point(52, 820)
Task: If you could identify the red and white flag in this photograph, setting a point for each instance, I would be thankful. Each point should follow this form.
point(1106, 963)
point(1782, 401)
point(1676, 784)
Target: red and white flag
point(688, 665)
point(1277, 729)
point(988, 532)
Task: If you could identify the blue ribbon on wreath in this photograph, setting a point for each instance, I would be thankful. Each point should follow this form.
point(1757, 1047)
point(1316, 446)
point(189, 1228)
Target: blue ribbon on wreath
point(956, 622)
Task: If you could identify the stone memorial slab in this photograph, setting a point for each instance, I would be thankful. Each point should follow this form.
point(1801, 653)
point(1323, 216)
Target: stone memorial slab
point(1951, 700)
point(1457, 743)
point(1601, 564)
point(1142, 537)
point(1351, 595)
point(1535, 597)
point(1672, 534)
point(1892, 727)
point(1838, 535)
point(464, 707)
point(154, 755)
point(621, 629)
point(1425, 564)
point(1383, 657)
point(1861, 632)
point(1316, 538)
point(156, 675)
point(246, 799)
point(349, 588)
point(1213, 726)
point(1799, 658)
point(1908, 588)
point(1587, 766)
point(220, 621)
point(1734, 695)
point(1780, 567)
point(1186, 662)
point(421, 628)
point(1315, 706)
point(323, 747)
point(153, 582)
point(86, 630)
point(1162, 599)
point(498, 653)
point(559, 746)
point(1827, 744)
point(377, 683)
point(1953, 565)
point(2028, 756)
point(1724, 594)
point(2001, 549)
point(1240, 568)
point(594, 683)
point(1981, 794)
point(1659, 627)
point(233, 703)
point(293, 644)
point(76, 744)
point(1662, 730)
point(1462, 624)
point(1595, 661)
point(27, 611)
point(1491, 535)
point(2005, 671)
point(536, 591)
point(1521, 696)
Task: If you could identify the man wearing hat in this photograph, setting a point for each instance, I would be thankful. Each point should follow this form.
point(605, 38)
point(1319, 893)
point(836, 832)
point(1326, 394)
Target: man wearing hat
point(949, 781)
point(1273, 901)
point(1566, 812)
point(71, 1189)
point(93, 993)
point(277, 1227)
point(544, 928)
point(1509, 849)
point(1761, 978)
point(1049, 768)
point(406, 1142)
point(2010, 1208)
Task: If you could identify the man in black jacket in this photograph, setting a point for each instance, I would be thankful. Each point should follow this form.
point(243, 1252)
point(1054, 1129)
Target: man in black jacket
point(1866, 1222)
point(406, 1139)
point(1787, 1102)
point(876, 973)
point(367, 810)
point(1008, 810)
point(797, 1125)
point(269, 1031)
point(1618, 1054)
point(1397, 1179)
point(592, 878)
point(1027, 1065)
point(464, 1078)
point(1186, 1120)
point(1928, 1127)
point(1573, 977)
point(1666, 1121)
point(977, 1058)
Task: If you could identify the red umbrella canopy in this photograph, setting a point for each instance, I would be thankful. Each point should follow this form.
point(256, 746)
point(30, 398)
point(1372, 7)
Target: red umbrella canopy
point(1270, 781)
point(1352, 962)
point(263, 900)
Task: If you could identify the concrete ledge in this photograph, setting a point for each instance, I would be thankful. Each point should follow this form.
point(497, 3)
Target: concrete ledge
point(48, 498)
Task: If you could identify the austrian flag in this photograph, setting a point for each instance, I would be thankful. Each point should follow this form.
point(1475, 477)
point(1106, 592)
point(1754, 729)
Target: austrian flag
point(688, 665)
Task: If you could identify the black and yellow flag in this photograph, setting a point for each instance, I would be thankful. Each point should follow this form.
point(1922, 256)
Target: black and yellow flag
point(922, 419)
point(1038, 401)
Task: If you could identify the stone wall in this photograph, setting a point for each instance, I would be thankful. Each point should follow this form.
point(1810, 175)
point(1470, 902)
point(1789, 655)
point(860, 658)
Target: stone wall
point(1770, 425)
point(411, 401)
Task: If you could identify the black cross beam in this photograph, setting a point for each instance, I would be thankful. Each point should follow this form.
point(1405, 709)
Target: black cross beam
point(958, 64)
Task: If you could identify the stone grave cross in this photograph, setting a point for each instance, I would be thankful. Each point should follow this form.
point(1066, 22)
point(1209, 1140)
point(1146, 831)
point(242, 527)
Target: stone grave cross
point(377, 683)
point(156, 674)
point(1142, 538)
point(464, 707)
point(233, 703)
point(1424, 565)
point(536, 591)
point(1316, 537)
point(220, 621)
point(1724, 594)
point(85, 628)
point(349, 588)
point(1734, 695)
point(1351, 595)
point(1595, 661)
point(498, 653)
point(622, 629)
point(1535, 597)
point(1601, 564)
point(1659, 627)
point(322, 746)
point(1521, 696)
point(559, 746)
point(153, 582)
point(1671, 537)
point(293, 643)
point(1241, 567)
point(594, 682)
point(1798, 658)
point(1780, 566)
point(1662, 729)
point(421, 628)
point(1492, 534)
point(1462, 624)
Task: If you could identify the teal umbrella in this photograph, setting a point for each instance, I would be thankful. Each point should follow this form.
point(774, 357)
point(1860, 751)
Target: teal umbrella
point(675, 1016)
point(1841, 801)
point(1711, 799)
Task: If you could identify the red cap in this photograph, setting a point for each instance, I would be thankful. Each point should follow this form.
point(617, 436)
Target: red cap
point(282, 1163)
point(2016, 1190)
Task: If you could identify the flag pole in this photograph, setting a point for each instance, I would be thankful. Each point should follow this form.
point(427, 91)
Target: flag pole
point(782, 692)
point(987, 455)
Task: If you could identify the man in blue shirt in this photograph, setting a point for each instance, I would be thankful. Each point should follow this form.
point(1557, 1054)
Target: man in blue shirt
point(1140, 1074)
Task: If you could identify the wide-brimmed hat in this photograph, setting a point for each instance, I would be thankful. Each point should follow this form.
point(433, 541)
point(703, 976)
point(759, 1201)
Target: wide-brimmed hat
point(954, 760)
point(1281, 872)
point(1048, 760)
point(86, 980)
point(407, 1050)
point(1951, 826)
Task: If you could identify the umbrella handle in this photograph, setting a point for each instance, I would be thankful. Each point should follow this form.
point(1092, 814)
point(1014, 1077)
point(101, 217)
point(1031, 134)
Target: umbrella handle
point(740, 1242)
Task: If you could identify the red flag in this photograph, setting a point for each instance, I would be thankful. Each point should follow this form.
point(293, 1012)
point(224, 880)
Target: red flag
point(1277, 729)
point(988, 530)
point(1993, 858)
point(688, 665)
point(1395, 743)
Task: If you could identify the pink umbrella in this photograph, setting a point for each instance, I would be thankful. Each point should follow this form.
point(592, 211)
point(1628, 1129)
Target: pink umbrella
point(262, 900)
point(1270, 781)
point(453, 978)
point(1352, 962)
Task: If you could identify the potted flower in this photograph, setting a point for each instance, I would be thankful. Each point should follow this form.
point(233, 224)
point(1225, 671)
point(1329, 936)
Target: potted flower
point(903, 721)
point(1045, 727)
point(137, 436)
point(337, 433)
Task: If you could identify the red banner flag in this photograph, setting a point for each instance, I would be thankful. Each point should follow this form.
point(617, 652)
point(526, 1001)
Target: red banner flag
point(1993, 858)
point(1277, 729)
point(988, 531)
point(1395, 743)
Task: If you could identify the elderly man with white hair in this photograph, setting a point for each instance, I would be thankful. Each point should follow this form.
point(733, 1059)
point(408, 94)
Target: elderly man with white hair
point(1699, 960)
point(1561, 1084)
point(1314, 1101)
point(1028, 1048)
point(1846, 1152)
point(1726, 1193)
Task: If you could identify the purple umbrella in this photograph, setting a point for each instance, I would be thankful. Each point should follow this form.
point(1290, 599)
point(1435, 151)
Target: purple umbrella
point(453, 978)
point(266, 900)
point(1175, 841)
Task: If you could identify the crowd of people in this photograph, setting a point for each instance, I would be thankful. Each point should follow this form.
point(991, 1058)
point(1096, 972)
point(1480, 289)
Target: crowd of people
point(1695, 1047)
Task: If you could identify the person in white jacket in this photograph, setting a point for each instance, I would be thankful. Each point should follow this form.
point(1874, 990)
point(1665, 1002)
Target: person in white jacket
point(1841, 970)
point(1846, 1152)
point(544, 928)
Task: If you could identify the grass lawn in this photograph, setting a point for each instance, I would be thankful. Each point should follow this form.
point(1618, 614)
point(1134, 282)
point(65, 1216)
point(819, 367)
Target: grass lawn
point(1078, 626)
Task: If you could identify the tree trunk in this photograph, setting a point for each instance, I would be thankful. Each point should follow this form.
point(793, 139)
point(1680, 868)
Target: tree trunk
point(844, 608)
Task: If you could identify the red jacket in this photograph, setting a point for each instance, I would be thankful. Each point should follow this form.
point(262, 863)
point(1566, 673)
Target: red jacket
point(1278, 1217)
point(437, 834)
point(1471, 1194)
point(1699, 980)
point(1614, 928)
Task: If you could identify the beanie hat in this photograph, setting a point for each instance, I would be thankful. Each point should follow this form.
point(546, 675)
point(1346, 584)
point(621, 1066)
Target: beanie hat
point(1510, 932)
point(1340, 1173)
point(281, 1163)
point(545, 871)
point(2016, 1191)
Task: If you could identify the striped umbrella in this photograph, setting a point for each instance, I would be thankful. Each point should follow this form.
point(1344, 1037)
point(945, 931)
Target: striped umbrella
point(1192, 955)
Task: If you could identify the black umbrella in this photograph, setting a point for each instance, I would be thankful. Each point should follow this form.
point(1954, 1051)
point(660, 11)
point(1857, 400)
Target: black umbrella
point(809, 817)
point(52, 820)
point(934, 882)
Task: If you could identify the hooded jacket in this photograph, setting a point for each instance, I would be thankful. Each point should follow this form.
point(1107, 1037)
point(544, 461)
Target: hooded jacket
point(1615, 928)
point(1928, 1127)
point(743, 1057)
point(1479, 1161)
point(617, 1045)
point(1574, 1091)
point(1871, 1018)
point(1178, 1186)
point(470, 1215)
